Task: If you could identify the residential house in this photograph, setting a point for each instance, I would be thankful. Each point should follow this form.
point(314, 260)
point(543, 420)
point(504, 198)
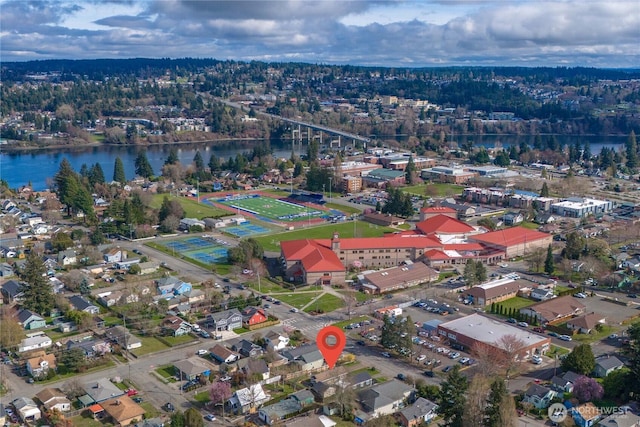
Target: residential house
point(194, 296)
point(27, 409)
point(101, 390)
point(305, 397)
point(585, 415)
point(248, 399)
point(308, 357)
point(227, 320)
point(421, 411)
point(253, 316)
point(175, 326)
point(222, 354)
point(80, 303)
point(512, 218)
point(92, 347)
point(34, 342)
point(53, 398)
point(586, 323)
point(621, 419)
point(192, 368)
point(632, 264)
point(247, 349)
point(121, 336)
point(564, 383)
point(539, 396)
point(542, 294)
point(148, 267)
point(322, 390)
point(64, 326)
point(254, 368)
point(385, 398)
point(6, 270)
point(360, 380)
point(66, 258)
point(30, 320)
point(555, 309)
point(606, 365)
point(12, 291)
point(276, 341)
point(310, 420)
point(123, 411)
point(39, 366)
point(109, 298)
point(279, 411)
point(331, 376)
point(115, 255)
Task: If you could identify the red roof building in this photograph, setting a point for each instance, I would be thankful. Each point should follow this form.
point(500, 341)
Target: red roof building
point(515, 241)
point(443, 224)
point(431, 211)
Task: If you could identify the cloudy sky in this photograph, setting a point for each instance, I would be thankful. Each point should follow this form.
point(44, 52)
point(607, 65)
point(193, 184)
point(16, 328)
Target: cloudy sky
point(602, 33)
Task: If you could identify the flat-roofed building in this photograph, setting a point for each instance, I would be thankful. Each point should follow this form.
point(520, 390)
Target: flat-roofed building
point(515, 241)
point(488, 170)
point(351, 183)
point(580, 207)
point(475, 329)
point(358, 168)
point(451, 175)
point(495, 291)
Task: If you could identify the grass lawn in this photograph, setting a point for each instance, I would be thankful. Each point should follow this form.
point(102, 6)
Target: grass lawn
point(183, 339)
point(149, 345)
point(343, 208)
point(266, 286)
point(529, 225)
point(87, 421)
point(435, 189)
point(241, 330)
point(326, 303)
point(202, 397)
point(277, 193)
point(594, 336)
point(298, 300)
point(150, 410)
point(516, 303)
point(108, 364)
point(344, 323)
point(345, 229)
point(555, 350)
point(272, 208)
point(192, 209)
point(359, 296)
point(166, 371)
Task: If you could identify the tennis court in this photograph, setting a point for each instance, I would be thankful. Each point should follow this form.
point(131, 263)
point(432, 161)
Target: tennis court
point(271, 208)
point(198, 249)
point(245, 229)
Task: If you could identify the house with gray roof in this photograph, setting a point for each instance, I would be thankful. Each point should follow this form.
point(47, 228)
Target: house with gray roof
point(192, 368)
point(227, 320)
point(539, 396)
point(626, 419)
point(385, 398)
point(606, 365)
point(258, 367)
point(80, 303)
point(421, 411)
point(12, 291)
point(30, 320)
point(102, 390)
point(247, 398)
point(279, 410)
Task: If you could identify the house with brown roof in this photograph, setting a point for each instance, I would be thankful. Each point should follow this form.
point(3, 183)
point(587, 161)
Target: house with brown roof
point(175, 326)
point(394, 278)
point(39, 366)
point(222, 354)
point(494, 291)
point(555, 310)
point(53, 398)
point(431, 211)
point(123, 411)
point(514, 241)
point(385, 220)
point(586, 323)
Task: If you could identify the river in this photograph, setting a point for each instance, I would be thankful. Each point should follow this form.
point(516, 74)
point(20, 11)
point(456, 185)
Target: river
point(37, 167)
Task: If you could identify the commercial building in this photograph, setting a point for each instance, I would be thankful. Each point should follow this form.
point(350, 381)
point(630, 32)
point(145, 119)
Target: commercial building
point(488, 170)
point(580, 207)
point(451, 175)
point(395, 278)
point(515, 241)
point(494, 291)
point(380, 178)
point(555, 310)
point(474, 330)
point(351, 183)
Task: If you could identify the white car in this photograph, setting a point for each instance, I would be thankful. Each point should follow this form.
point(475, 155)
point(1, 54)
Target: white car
point(294, 310)
point(201, 352)
point(385, 354)
point(537, 360)
point(580, 295)
point(464, 360)
point(454, 355)
point(421, 358)
point(565, 337)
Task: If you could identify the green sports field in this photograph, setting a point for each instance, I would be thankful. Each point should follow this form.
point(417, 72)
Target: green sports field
point(272, 208)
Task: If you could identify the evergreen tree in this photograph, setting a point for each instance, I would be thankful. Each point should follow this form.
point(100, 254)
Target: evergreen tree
point(632, 151)
point(586, 152)
point(548, 262)
point(312, 151)
point(193, 418)
point(581, 360)
point(214, 163)
point(38, 296)
point(118, 171)
point(172, 158)
point(198, 162)
point(500, 410)
point(143, 167)
point(66, 184)
point(410, 171)
point(451, 401)
point(544, 192)
point(96, 175)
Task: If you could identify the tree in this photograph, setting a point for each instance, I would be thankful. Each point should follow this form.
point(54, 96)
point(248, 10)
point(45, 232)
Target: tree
point(38, 296)
point(143, 167)
point(169, 224)
point(476, 401)
point(487, 223)
point(632, 151)
point(198, 162)
point(544, 192)
point(574, 246)
point(71, 360)
point(61, 241)
point(581, 360)
point(172, 158)
point(170, 207)
point(214, 163)
point(549, 266)
point(587, 389)
point(11, 332)
point(193, 418)
point(118, 171)
point(177, 419)
point(512, 347)
point(452, 400)
point(616, 384)
point(535, 259)
point(500, 409)
point(410, 171)
point(219, 393)
point(474, 273)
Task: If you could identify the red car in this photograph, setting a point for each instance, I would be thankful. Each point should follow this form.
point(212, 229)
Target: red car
point(132, 392)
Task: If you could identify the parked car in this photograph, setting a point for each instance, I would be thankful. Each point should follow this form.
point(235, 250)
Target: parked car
point(580, 295)
point(169, 407)
point(205, 334)
point(201, 352)
point(294, 310)
point(565, 337)
point(132, 392)
point(538, 329)
point(464, 360)
point(385, 354)
point(210, 417)
point(536, 360)
point(428, 374)
point(137, 399)
point(401, 377)
point(512, 320)
point(447, 368)
point(523, 324)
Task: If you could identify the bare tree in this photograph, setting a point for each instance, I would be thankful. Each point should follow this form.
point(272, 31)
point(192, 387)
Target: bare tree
point(512, 347)
point(536, 258)
point(488, 357)
point(476, 401)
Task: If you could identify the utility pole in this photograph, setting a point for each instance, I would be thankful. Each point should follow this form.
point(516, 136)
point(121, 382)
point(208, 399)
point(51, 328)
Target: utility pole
point(198, 190)
point(330, 179)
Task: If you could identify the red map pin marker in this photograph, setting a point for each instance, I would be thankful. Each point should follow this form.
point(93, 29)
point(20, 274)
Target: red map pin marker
point(331, 341)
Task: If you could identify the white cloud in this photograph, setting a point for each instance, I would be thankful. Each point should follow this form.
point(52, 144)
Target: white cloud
point(392, 33)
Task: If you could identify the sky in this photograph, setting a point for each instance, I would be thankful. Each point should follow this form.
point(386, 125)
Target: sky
point(391, 33)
